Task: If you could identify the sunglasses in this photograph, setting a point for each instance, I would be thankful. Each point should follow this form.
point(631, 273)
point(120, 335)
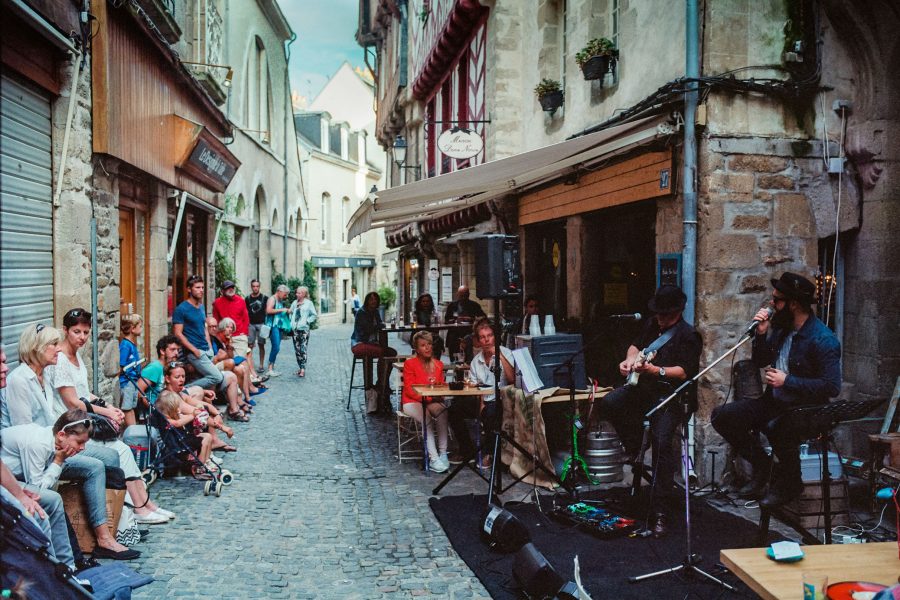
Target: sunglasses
point(77, 312)
point(85, 422)
point(39, 327)
point(194, 279)
point(176, 364)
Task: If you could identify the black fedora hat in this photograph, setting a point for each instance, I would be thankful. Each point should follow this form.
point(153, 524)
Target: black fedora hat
point(667, 299)
point(796, 287)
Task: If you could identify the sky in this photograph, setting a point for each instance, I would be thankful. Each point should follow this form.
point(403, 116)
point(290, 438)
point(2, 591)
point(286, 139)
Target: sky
point(326, 32)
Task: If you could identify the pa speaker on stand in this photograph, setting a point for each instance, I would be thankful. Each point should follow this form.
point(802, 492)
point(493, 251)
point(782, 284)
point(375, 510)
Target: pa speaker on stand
point(497, 273)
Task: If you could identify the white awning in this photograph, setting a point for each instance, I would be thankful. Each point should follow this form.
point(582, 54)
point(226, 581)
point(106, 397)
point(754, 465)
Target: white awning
point(436, 196)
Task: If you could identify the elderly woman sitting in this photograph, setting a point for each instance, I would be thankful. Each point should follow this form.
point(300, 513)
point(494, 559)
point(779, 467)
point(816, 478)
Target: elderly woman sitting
point(220, 335)
point(424, 369)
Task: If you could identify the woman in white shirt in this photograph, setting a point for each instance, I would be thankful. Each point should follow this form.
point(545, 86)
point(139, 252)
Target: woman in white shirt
point(29, 390)
point(70, 382)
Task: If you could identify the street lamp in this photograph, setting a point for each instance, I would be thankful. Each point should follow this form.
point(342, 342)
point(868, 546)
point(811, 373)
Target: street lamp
point(400, 147)
point(228, 76)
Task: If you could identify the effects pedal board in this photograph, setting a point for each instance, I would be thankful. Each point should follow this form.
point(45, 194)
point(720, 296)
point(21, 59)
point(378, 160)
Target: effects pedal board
point(595, 520)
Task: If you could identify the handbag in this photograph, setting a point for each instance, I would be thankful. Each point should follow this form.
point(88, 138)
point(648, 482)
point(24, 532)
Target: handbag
point(103, 429)
point(264, 332)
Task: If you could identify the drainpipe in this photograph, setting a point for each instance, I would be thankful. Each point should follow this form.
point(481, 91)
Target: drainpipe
point(288, 119)
point(95, 331)
point(689, 165)
point(689, 181)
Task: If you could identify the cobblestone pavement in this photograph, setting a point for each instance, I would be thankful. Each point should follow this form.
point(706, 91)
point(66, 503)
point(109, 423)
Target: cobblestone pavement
point(320, 508)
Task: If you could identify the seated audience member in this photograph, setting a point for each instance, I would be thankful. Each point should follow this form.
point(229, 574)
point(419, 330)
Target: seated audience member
point(152, 380)
point(40, 455)
point(426, 316)
point(463, 310)
point(44, 507)
point(425, 369)
point(364, 342)
point(481, 371)
point(131, 327)
point(72, 390)
point(225, 359)
point(174, 377)
point(186, 418)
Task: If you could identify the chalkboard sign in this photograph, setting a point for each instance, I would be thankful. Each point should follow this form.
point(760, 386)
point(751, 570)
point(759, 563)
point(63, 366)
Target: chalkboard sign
point(668, 269)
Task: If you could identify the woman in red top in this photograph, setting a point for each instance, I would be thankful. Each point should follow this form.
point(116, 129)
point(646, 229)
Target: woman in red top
point(424, 369)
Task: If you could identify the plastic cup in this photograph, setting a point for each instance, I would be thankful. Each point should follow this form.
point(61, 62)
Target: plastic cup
point(815, 585)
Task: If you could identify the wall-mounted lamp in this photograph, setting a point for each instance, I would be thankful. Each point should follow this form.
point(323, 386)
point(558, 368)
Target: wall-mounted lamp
point(400, 147)
point(228, 76)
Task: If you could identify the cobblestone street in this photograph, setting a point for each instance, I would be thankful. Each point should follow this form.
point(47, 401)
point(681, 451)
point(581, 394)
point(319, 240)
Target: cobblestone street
point(320, 508)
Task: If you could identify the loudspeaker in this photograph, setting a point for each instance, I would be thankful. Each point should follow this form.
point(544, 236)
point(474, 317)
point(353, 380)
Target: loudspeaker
point(501, 529)
point(497, 272)
point(536, 576)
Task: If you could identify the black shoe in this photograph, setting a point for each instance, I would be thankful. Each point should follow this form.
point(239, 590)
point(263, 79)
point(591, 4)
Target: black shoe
point(659, 525)
point(781, 493)
point(101, 552)
point(755, 488)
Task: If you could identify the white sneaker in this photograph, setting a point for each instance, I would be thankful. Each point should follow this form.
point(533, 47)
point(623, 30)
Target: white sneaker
point(438, 465)
point(274, 373)
point(166, 513)
point(153, 518)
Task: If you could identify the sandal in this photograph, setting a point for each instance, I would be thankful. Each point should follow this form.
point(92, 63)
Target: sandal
point(238, 416)
point(200, 473)
point(226, 448)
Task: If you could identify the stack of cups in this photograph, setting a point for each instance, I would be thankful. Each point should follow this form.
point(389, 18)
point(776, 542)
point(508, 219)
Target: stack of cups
point(549, 327)
point(534, 328)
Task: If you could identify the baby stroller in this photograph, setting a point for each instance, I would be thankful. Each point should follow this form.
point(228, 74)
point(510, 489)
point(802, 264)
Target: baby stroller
point(173, 450)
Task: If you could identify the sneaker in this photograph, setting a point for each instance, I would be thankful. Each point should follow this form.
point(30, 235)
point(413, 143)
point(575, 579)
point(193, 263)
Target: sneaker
point(274, 373)
point(456, 458)
point(152, 518)
point(166, 513)
point(438, 465)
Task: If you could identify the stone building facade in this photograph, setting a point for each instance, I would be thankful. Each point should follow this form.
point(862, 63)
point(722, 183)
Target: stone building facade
point(795, 157)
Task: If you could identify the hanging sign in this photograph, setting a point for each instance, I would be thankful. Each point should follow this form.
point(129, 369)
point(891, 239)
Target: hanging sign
point(460, 143)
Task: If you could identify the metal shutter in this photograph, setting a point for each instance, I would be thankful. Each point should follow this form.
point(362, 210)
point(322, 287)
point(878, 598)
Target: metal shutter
point(26, 212)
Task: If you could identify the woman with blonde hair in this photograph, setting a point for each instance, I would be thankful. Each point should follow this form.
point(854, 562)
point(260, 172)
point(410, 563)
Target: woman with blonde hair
point(29, 391)
point(424, 369)
point(303, 314)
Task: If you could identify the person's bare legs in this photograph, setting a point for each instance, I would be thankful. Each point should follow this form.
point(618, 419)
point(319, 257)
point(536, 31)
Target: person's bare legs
point(138, 492)
point(129, 418)
point(232, 392)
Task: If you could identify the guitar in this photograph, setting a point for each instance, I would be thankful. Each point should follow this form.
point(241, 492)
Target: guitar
point(644, 356)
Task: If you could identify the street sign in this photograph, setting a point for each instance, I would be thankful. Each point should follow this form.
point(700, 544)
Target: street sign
point(460, 143)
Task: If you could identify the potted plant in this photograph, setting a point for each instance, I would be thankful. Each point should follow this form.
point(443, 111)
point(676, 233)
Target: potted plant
point(549, 94)
point(597, 59)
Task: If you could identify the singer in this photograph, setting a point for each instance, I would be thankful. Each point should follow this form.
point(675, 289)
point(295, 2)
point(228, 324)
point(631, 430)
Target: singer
point(678, 347)
point(801, 357)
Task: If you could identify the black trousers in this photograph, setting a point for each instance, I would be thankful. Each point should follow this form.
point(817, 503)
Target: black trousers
point(468, 407)
point(738, 422)
point(625, 408)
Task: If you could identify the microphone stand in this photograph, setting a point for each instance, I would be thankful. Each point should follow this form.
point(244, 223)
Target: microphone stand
point(690, 560)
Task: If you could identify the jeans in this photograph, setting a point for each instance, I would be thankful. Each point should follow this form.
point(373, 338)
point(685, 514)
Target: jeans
point(53, 526)
point(92, 473)
point(469, 407)
point(275, 338)
point(209, 375)
point(301, 341)
point(625, 408)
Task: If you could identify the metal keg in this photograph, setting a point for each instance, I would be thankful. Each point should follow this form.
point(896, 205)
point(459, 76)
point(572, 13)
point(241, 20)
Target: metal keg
point(604, 456)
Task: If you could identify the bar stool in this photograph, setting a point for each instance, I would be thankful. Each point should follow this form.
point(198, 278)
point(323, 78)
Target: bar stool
point(367, 376)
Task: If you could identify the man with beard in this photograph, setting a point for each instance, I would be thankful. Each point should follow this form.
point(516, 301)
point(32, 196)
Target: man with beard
point(802, 361)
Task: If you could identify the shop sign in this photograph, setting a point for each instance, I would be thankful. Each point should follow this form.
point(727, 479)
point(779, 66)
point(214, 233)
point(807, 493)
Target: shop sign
point(460, 143)
point(211, 163)
point(343, 261)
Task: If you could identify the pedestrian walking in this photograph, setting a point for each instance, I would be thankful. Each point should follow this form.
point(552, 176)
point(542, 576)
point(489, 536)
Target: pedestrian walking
point(303, 314)
point(279, 322)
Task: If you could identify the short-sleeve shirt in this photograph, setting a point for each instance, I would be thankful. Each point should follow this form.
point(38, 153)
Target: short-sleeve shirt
point(484, 374)
point(256, 308)
point(153, 375)
point(193, 318)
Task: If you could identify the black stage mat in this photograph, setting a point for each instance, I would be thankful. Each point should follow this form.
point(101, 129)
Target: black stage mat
point(606, 564)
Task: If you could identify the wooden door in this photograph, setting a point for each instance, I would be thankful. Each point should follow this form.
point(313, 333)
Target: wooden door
point(127, 278)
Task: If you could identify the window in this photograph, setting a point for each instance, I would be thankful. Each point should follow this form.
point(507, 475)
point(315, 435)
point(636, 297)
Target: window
point(323, 217)
point(257, 100)
point(334, 139)
point(327, 292)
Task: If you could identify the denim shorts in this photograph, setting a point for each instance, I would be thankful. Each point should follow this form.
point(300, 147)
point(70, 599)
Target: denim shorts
point(129, 397)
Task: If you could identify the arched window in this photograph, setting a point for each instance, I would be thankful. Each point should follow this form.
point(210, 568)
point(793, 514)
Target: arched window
point(323, 216)
point(257, 93)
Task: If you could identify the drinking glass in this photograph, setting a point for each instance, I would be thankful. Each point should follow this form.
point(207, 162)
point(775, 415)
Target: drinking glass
point(814, 586)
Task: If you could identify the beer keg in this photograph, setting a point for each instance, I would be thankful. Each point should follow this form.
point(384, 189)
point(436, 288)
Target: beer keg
point(604, 456)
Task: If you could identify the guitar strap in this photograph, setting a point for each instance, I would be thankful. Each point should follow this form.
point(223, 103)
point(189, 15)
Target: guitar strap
point(660, 341)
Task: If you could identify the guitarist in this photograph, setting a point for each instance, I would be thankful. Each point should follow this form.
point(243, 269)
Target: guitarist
point(676, 346)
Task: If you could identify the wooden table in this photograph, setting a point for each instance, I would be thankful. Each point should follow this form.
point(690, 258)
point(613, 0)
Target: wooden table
point(441, 391)
point(876, 563)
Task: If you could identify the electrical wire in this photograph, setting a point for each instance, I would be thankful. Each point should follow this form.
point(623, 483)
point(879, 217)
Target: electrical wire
point(837, 219)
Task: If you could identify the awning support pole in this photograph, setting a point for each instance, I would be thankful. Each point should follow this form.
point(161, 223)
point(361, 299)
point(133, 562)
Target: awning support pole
point(171, 254)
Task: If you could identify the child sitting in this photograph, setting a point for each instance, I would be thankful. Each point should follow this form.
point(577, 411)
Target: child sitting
point(187, 418)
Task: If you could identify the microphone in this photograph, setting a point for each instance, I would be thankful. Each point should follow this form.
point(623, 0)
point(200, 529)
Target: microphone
point(134, 364)
point(627, 317)
point(754, 324)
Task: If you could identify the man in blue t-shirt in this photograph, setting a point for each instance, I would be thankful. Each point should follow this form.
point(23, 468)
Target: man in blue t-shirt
point(189, 326)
